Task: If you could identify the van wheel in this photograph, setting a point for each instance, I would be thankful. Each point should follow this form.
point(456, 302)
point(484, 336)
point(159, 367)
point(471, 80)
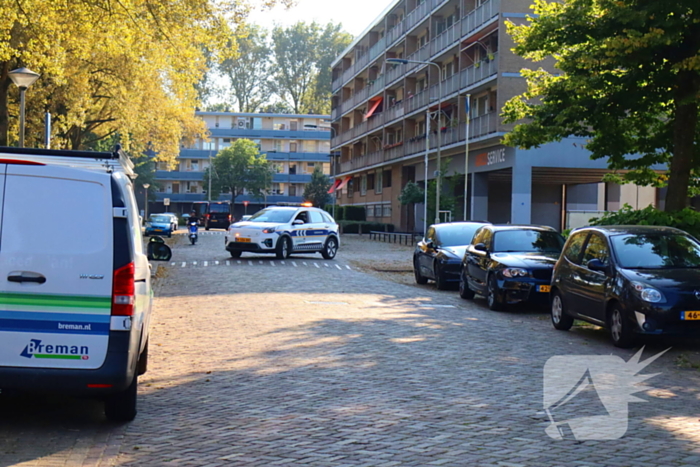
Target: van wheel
point(121, 407)
point(284, 248)
point(143, 361)
point(235, 254)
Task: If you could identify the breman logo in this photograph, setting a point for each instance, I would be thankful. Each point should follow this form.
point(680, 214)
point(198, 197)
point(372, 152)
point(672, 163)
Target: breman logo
point(63, 352)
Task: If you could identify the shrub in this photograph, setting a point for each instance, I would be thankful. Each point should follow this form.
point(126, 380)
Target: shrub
point(354, 213)
point(354, 226)
point(687, 219)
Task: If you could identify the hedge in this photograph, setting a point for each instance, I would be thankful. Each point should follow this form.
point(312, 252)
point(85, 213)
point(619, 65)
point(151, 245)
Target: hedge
point(687, 219)
point(354, 213)
point(354, 226)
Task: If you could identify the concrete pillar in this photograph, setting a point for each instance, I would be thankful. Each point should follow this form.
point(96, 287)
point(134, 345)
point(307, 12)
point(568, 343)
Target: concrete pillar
point(480, 196)
point(521, 195)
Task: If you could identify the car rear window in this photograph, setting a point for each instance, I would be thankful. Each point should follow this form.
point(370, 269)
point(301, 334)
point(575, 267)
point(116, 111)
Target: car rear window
point(219, 208)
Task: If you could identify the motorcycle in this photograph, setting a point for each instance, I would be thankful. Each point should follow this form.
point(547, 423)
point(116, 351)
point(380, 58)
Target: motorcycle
point(193, 232)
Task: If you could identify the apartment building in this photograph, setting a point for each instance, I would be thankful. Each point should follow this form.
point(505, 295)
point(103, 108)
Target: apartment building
point(381, 113)
point(294, 144)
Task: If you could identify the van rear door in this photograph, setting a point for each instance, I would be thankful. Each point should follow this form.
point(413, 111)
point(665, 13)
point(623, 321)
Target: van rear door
point(56, 255)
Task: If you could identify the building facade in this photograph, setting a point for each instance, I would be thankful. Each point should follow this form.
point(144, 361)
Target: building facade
point(387, 115)
point(294, 144)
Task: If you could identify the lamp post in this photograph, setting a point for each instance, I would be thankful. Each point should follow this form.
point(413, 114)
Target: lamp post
point(439, 144)
point(23, 78)
point(335, 195)
point(145, 204)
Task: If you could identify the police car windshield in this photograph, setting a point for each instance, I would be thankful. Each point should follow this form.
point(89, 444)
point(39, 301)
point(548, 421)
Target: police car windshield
point(279, 216)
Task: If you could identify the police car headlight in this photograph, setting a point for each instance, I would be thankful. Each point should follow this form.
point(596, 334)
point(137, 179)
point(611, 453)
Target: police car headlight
point(269, 230)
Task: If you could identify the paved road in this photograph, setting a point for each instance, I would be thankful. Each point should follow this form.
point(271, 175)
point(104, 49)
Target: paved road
point(260, 364)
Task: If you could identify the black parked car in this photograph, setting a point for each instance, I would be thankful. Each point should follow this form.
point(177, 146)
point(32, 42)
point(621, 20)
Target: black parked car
point(510, 264)
point(439, 255)
point(633, 280)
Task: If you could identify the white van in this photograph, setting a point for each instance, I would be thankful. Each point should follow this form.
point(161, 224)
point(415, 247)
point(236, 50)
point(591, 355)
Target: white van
point(75, 303)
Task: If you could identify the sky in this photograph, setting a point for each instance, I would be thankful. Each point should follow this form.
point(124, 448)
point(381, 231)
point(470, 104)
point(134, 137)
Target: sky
point(355, 15)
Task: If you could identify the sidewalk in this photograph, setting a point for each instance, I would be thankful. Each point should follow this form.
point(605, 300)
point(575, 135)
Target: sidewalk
point(390, 261)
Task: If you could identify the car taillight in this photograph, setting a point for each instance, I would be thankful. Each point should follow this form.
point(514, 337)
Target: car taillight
point(123, 291)
point(207, 216)
point(229, 217)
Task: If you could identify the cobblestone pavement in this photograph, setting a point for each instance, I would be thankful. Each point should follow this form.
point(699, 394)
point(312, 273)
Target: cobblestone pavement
point(262, 365)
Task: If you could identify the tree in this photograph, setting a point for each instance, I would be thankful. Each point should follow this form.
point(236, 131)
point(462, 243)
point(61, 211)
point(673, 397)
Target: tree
point(411, 194)
point(447, 189)
point(279, 107)
point(316, 191)
point(239, 168)
point(630, 86)
point(249, 71)
point(303, 54)
point(130, 66)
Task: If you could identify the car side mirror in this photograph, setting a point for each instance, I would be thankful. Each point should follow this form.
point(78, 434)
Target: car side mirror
point(159, 251)
point(598, 266)
point(481, 247)
point(298, 222)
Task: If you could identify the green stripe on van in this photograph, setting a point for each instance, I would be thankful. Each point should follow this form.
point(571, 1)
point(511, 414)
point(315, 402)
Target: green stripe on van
point(67, 301)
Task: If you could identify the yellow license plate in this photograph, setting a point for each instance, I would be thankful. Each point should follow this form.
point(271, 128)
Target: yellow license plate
point(691, 315)
point(543, 288)
point(242, 240)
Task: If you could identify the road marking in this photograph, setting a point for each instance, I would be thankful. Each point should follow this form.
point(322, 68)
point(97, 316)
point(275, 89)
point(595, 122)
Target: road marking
point(206, 263)
point(261, 262)
point(239, 261)
point(348, 267)
point(326, 303)
point(304, 263)
point(250, 262)
point(436, 306)
point(194, 262)
point(216, 262)
point(228, 263)
point(184, 264)
point(317, 266)
point(338, 267)
point(172, 264)
point(272, 263)
point(326, 264)
point(282, 262)
point(295, 264)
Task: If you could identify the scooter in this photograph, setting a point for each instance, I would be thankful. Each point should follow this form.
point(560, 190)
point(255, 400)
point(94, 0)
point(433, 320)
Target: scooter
point(193, 232)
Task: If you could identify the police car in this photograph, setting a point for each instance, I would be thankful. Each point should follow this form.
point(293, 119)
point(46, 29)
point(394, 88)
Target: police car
point(285, 230)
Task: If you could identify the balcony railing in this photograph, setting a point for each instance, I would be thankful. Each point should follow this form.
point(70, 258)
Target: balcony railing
point(474, 73)
point(450, 85)
point(335, 113)
point(417, 101)
point(420, 55)
point(347, 74)
point(394, 153)
point(416, 146)
point(377, 48)
point(376, 85)
point(395, 33)
point(360, 96)
point(447, 39)
point(337, 82)
point(481, 15)
point(362, 161)
point(483, 125)
point(392, 113)
point(447, 137)
point(358, 130)
point(375, 121)
point(361, 61)
point(346, 105)
point(393, 74)
point(418, 14)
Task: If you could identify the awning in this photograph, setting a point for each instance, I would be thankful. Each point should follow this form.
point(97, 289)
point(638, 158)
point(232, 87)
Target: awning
point(374, 103)
point(335, 186)
point(343, 183)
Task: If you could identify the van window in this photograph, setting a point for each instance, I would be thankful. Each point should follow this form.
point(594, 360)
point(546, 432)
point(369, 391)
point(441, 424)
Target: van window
point(33, 223)
point(219, 208)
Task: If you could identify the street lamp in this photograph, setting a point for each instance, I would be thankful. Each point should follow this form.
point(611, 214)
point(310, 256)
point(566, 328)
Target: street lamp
point(332, 156)
point(145, 207)
point(23, 78)
point(438, 177)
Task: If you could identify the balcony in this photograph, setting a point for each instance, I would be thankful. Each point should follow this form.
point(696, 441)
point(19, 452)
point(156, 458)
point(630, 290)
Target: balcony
point(474, 74)
point(394, 153)
point(273, 134)
point(414, 103)
point(483, 125)
point(377, 48)
point(395, 73)
point(197, 153)
point(346, 105)
point(395, 33)
point(392, 113)
point(480, 16)
point(176, 175)
point(451, 85)
point(347, 74)
point(420, 55)
point(297, 156)
point(337, 83)
point(375, 121)
point(360, 96)
point(359, 129)
point(415, 145)
point(373, 87)
point(335, 113)
point(362, 61)
point(447, 39)
point(418, 14)
point(447, 137)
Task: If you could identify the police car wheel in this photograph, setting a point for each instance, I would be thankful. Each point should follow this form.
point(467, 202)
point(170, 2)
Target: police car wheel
point(330, 248)
point(284, 248)
point(235, 254)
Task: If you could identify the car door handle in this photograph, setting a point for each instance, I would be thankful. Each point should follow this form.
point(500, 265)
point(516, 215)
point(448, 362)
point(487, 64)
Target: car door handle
point(26, 277)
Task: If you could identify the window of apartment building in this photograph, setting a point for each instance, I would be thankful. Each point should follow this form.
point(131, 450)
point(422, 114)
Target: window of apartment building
point(390, 138)
point(386, 179)
point(351, 187)
point(420, 128)
point(277, 167)
point(370, 181)
point(386, 210)
point(279, 145)
point(176, 187)
point(279, 126)
point(309, 146)
point(378, 182)
point(161, 166)
point(421, 84)
point(293, 125)
point(258, 144)
point(292, 168)
point(370, 211)
point(293, 146)
point(363, 185)
point(226, 142)
point(399, 135)
point(209, 145)
point(293, 190)
point(310, 166)
point(276, 189)
point(194, 166)
point(216, 123)
point(448, 69)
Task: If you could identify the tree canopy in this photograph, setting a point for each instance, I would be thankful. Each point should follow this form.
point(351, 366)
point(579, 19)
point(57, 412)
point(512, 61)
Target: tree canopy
point(629, 84)
point(127, 66)
point(239, 168)
point(316, 191)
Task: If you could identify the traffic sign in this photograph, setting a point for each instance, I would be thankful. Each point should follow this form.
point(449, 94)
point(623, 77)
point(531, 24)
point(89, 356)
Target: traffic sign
point(245, 203)
point(166, 201)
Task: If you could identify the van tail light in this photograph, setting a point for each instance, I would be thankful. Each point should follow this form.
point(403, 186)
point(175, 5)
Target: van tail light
point(229, 217)
point(123, 291)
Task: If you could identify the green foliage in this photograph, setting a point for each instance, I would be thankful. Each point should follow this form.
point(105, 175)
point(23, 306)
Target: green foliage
point(686, 219)
point(627, 82)
point(316, 191)
point(448, 184)
point(249, 72)
point(339, 213)
point(354, 213)
point(238, 168)
point(303, 54)
point(412, 193)
point(354, 226)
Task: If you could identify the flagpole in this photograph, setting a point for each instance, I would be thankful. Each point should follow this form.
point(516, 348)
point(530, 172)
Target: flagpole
point(466, 154)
